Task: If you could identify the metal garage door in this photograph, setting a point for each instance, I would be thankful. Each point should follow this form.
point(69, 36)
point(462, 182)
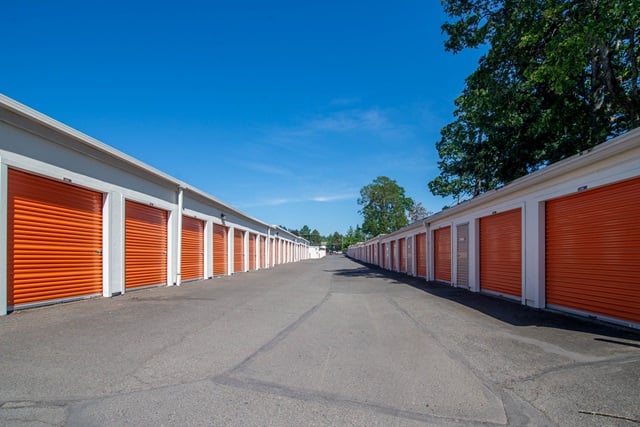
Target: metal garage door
point(501, 253)
point(442, 254)
point(252, 251)
point(272, 252)
point(402, 255)
point(421, 255)
point(593, 251)
point(410, 268)
point(192, 260)
point(462, 256)
point(238, 251)
point(54, 240)
point(220, 251)
point(263, 252)
point(393, 255)
point(145, 245)
point(383, 254)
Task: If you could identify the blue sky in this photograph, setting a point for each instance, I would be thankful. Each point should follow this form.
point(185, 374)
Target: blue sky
point(283, 109)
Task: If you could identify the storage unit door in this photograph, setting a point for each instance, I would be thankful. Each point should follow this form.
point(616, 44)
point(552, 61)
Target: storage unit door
point(238, 251)
point(462, 255)
point(220, 251)
point(402, 255)
point(272, 253)
point(252, 251)
point(393, 255)
point(410, 269)
point(501, 253)
point(145, 245)
point(421, 255)
point(54, 239)
point(442, 254)
point(192, 260)
point(263, 252)
point(383, 260)
point(593, 251)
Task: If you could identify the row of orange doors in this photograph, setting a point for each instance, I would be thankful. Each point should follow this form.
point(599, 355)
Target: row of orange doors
point(54, 242)
point(591, 246)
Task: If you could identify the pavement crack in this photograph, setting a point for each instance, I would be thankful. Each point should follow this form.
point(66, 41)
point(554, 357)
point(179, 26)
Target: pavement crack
point(577, 365)
point(279, 337)
point(340, 401)
point(517, 410)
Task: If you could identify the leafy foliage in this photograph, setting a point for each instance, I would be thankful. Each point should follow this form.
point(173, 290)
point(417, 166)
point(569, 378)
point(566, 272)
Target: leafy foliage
point(559, 76)
point(384, 206)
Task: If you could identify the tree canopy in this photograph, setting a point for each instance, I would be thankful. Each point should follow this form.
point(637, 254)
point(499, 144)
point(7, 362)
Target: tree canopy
point(384, 206)
point(559, 77)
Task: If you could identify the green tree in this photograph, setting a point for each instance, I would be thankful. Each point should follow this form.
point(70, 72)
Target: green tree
point(384, 206)
point(305, 232)
point(352, 236)
point(334, 242)
point(559, 76)
point(315, 238)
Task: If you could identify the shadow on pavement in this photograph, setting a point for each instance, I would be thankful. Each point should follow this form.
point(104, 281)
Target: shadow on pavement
point(510, 312)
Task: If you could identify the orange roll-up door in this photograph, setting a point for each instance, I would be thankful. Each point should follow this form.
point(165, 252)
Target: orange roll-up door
point(402, 255)
point(393, 255)
point(263, 252)
point(238, 251)
point(54, 240)
point(442, 254)
point(252, 251)
point(421, 255)
point(501, 253)
point(220, 251)
point(192, 261)
point(593, 251)
point(145, 245)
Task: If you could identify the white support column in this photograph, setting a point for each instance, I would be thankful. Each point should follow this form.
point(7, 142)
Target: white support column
point(534, 254)
point(231, 241)
point(474, 255)
point(178, 239)
point(245, 241)
point(4, 229)
point(113, 253)
point(208, 249)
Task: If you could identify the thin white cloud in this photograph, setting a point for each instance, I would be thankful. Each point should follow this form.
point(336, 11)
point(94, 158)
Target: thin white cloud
point(278, 201)
point(351, 121)
point(268, 169)
point(333, 198)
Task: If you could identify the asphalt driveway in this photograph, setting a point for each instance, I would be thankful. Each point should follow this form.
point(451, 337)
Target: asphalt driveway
point(325, 342)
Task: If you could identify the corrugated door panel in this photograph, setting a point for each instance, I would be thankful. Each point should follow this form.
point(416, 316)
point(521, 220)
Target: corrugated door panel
point(263, 252)
point(252, 251)
point(383, 263)
point(402, 255)
point(393, 255)
point(463, 255)
point(593, 251)
point(501, 253)
point(421, 255)
point(442, 254)
point(272, 252)
point(220, 251)
point(54, 240)
point(238, 251)
point(410, 269)
point(145, 245)
point(192, 260)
